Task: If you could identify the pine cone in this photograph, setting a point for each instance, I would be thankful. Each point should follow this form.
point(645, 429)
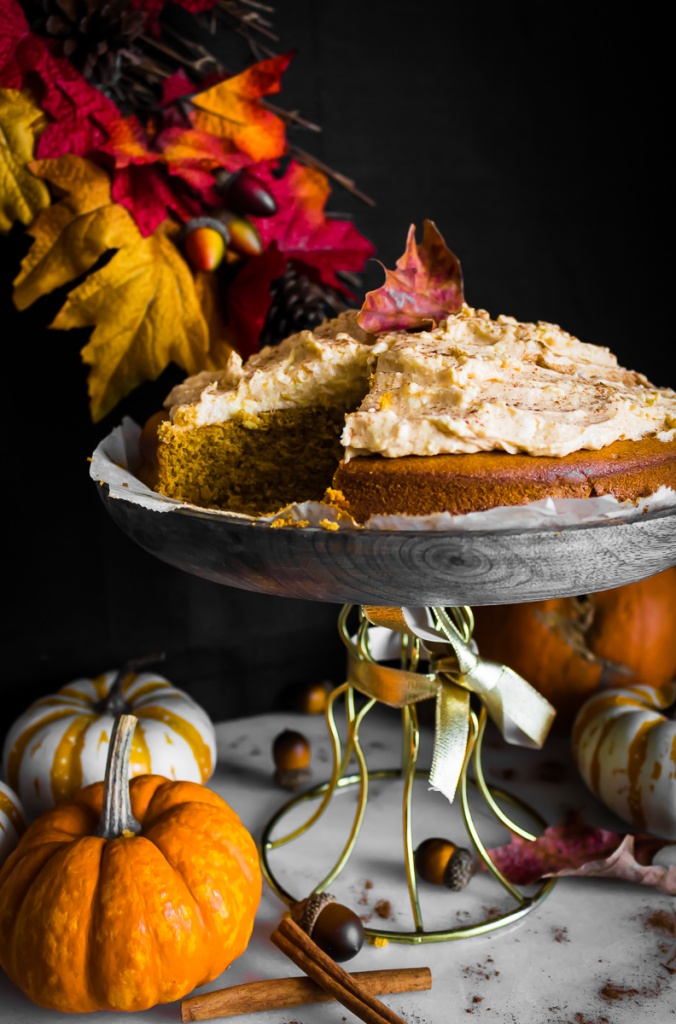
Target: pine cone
point(298, 304)
point(93, 34)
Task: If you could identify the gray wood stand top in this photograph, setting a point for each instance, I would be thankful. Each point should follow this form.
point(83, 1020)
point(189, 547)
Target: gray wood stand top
point(395, 568)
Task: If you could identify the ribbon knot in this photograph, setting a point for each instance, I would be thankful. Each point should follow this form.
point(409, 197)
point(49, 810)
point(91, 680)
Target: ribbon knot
point(456, 670)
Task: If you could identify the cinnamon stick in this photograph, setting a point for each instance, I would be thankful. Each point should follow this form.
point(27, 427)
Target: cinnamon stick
point(341, 986)
point(282, 993)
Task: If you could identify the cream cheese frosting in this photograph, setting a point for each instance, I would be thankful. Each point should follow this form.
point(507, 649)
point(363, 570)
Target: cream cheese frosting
point(479, 384)
point(472, 384)
point(327, 366)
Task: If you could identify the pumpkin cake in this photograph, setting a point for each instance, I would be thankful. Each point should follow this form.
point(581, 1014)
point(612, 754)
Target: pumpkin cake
point(257, 436)
point(473, 414)
point(420, 485)
point(481, 413)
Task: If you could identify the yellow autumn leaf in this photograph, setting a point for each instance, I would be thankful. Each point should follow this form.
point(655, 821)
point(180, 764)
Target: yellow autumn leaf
point(22, 195)
point(73, 233)
point(145, 313)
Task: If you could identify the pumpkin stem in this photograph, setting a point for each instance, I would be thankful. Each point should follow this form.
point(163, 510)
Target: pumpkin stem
point(116, 815)
point(114, 703)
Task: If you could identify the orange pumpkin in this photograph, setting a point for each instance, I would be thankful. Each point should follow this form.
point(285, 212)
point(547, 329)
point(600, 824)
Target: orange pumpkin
point(570, 647)
point(131, 895)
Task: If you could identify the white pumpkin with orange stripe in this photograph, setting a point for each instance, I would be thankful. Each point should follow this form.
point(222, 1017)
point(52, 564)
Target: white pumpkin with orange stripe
point(60, 743)
point(12, 821)
point(624, 744)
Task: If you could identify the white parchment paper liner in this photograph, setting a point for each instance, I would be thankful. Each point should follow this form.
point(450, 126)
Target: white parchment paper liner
point(116, 457)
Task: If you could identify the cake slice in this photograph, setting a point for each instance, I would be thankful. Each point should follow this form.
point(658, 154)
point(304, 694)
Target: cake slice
point(260, 435)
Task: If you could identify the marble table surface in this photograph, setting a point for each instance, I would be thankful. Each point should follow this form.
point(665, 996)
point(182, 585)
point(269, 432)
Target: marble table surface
point(593, 952)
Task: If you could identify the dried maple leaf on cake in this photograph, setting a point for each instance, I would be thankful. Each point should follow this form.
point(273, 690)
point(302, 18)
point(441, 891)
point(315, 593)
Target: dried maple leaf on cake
point(576, 849)
point(22, 194)
point(145, 313)
point(425, 288)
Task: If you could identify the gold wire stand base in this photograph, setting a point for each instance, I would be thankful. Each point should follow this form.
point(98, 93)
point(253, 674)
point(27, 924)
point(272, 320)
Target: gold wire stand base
point(525, 905)
point(408, 772)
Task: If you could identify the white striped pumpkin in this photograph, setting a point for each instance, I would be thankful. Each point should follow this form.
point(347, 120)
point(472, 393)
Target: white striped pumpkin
point(60, 743)
point(12, 821)
point(624, 745)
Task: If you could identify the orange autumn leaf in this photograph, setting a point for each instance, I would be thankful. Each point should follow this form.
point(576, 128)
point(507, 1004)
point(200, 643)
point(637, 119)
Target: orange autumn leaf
point(145, 312)
point(425, 288)
point(71, 235)
point(232, 110)
point(22, 195)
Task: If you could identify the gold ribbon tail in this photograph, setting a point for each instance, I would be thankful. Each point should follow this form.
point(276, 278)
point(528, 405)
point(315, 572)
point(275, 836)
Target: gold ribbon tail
point(450, 739)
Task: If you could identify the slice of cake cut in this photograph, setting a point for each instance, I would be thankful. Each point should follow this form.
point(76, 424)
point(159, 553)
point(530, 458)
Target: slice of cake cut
point(257, 436)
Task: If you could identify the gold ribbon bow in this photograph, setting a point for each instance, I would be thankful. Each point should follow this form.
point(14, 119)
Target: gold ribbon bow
point(522, 715)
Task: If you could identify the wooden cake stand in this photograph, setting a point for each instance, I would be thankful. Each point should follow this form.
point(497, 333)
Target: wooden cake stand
point(411, 594)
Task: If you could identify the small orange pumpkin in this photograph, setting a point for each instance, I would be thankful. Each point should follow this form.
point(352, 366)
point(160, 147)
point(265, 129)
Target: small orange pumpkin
point(570, 647)
point(131, 895)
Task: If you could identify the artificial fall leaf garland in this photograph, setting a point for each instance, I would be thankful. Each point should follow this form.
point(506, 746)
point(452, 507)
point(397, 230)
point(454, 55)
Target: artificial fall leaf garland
point(119, 137)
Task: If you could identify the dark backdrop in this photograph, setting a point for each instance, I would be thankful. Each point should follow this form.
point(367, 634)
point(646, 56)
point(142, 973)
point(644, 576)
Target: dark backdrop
point(534, 135)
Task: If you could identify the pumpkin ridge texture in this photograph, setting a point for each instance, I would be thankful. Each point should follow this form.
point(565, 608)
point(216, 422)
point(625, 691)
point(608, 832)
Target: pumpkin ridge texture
point(88, 923)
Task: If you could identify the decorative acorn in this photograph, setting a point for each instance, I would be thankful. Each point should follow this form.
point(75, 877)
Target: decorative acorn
point(332, 926)
point(312, 698)
point(243, 237)
point(205, 240)
point(441, 862)
point(245, 194)
point(291, 754)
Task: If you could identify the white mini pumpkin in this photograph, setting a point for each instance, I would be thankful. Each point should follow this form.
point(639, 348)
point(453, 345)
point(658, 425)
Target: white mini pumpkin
point(625, 748)
point(12, 821)
point(60, 743)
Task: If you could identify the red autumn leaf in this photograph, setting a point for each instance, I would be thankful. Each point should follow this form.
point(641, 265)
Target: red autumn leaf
point(175, 87)
point(79, 113)
point(150, 175)
point(13, 26)
point(323, 245)
point(425, 288)
point(576, 849)
point(147, 192)
point(248, 298)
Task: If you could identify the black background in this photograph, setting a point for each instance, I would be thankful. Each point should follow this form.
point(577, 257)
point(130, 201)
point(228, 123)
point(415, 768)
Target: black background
point(534, 135)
